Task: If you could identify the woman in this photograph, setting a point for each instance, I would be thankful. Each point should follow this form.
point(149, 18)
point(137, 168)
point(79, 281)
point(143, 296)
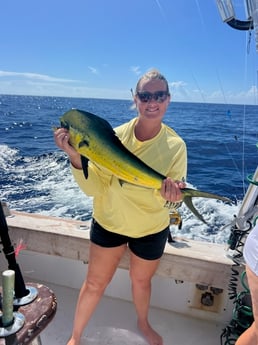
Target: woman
point(250, 336)
point(128, 215)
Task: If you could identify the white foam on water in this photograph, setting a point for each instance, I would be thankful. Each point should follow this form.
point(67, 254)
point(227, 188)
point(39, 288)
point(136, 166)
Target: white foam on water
point(217, 214)
point(45, 185)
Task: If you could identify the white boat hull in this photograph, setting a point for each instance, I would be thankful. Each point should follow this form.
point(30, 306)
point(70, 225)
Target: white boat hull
point(56, 255)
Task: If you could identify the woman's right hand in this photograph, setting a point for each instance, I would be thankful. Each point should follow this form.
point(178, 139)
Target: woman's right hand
point(61, 137)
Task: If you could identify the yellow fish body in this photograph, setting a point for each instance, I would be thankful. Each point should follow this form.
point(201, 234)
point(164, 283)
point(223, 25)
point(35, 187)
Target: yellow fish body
point(95, 140)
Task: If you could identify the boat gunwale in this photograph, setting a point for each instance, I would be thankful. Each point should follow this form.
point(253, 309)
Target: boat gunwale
point(186, 260)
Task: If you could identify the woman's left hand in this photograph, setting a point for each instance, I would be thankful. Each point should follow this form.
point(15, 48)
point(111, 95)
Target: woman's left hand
point(171, 190)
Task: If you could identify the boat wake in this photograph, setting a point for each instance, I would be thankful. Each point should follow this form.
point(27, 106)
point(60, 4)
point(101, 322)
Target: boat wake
point(44, 184)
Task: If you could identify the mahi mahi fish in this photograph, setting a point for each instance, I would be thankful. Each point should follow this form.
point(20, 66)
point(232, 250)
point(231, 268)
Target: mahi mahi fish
point(94, 138)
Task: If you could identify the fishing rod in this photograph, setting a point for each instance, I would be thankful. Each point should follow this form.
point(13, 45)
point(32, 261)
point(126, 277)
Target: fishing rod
point(8, 249)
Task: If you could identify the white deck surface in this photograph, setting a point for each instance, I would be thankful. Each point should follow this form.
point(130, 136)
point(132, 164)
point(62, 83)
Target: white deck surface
point(114, 323)
point(58, 252)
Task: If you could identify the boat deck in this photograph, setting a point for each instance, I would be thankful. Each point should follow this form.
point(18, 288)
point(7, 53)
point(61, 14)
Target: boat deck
point(57, 253)
point(114, 323)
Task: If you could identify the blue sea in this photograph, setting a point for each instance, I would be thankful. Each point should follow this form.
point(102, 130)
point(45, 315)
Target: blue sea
point(35, 175)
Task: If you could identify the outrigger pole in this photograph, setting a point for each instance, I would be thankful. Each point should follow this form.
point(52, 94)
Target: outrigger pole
point(243, 221)
point(250, 202)
point(227, 13)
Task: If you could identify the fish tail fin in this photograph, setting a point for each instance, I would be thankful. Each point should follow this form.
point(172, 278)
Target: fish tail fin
point(200, 194)
point(189, 204)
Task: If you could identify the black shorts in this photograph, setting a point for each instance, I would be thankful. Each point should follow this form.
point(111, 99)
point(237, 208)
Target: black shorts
point(150, 247)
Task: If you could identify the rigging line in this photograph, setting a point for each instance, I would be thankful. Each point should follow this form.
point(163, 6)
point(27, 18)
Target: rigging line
point(200, 90)
point(234, 162)
point(222, 91)
point(256, 87)
point(248, 41)
point(244, 111)
point(201, 16)
point(221, 88)
point(228, 150)
point(162, 12)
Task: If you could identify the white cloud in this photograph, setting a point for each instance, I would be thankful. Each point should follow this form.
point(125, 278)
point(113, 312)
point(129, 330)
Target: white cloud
point(35, 76)
point(177, 84)
point(136, 70)
point(34, 87)
point(93, 70)
point(44, 85)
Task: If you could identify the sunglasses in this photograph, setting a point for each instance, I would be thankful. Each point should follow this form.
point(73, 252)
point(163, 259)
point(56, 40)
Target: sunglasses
point(158, 96)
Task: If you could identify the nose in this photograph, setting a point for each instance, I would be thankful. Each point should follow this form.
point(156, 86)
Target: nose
point(152, 99)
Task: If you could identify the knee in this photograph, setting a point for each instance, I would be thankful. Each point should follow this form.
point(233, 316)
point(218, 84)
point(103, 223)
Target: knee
point(140, 281)
point(95, 286)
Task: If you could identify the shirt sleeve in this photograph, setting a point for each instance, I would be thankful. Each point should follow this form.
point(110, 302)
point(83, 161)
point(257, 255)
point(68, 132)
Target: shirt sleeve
point(178, 168)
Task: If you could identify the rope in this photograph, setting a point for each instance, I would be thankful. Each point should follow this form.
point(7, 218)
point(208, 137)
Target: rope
point(250, 180)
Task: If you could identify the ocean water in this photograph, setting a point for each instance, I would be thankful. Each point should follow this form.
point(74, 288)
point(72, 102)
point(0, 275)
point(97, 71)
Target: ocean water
point(35, 175)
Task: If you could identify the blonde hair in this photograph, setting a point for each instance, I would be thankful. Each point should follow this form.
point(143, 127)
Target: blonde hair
point(152, 75)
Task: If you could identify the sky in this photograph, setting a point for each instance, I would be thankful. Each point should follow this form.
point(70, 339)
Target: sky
point(100, 48)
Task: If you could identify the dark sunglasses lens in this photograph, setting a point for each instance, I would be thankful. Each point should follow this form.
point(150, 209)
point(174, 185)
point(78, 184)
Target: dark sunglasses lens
point(160, 96)
point(144, 96)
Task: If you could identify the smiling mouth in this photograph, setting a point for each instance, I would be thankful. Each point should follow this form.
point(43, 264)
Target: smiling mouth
point(152, 109)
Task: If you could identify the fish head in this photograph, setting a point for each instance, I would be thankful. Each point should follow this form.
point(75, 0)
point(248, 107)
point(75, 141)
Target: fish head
point(64, 124)
point(78, 124)
point(86, 131)
point(84, 122)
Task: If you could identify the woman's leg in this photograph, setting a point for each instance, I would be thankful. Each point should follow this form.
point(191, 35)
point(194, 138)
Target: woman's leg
point(102, 265)
point(250, 336)
point(141, 272)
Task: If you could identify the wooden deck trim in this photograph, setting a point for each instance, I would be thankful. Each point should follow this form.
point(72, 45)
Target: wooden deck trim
point(187, 260)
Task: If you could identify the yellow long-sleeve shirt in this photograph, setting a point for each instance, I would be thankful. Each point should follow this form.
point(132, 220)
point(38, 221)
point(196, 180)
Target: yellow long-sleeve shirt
point(128, 209)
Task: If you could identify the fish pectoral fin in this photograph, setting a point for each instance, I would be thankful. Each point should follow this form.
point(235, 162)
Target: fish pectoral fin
point(83, 143)
point(188, 201)
point(121, 182)
point(85, 162)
